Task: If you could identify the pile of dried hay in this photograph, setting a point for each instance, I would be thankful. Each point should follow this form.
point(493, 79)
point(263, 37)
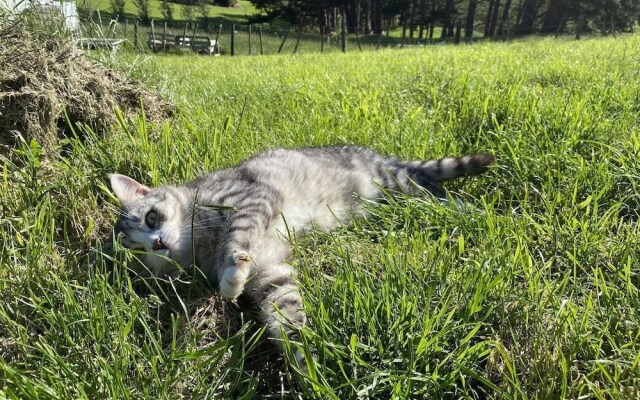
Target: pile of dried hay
point(44, 76)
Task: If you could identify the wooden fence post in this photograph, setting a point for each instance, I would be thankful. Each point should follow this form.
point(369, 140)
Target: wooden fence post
point(91, 25)
point(233, 39)
point(136, 43)
point(193, 36)
point(183, 42)
point(344, 31)
point(322, 30)
point(404, 30)
point(458, 30)
point(295, 49)
point(260, 37)
point(284, 39)
point(579, 25)
point(249, 39)
point(164, 37)
point(217, 38)
point(153, 38)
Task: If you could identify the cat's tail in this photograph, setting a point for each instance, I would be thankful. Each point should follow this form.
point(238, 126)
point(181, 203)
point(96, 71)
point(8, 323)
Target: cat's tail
point(429, 173)
point(447, 168)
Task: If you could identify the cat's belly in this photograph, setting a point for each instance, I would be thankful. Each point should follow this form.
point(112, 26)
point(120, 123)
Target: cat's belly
point(317, 195)
point(302, 216)
point(326, 209)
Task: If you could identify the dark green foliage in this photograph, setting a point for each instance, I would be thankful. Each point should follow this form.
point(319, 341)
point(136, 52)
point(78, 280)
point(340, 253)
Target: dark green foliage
point(612, 15)
point(167, 10)
point(187, 10)
point(144, 8)
point(203, 9)
point(496, 16)
point(117, 7)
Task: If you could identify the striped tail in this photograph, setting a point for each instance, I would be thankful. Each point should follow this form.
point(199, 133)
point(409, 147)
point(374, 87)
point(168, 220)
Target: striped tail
point(408, 175)
point(447, 168)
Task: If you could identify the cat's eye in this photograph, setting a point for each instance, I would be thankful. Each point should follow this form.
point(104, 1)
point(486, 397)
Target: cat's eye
point(151, 219)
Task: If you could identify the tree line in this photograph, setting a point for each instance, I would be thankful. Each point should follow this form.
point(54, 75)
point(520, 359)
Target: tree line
point(477, 17)
point(191, 9)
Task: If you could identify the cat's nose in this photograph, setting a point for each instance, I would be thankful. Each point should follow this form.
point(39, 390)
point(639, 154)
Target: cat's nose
point(157, 244)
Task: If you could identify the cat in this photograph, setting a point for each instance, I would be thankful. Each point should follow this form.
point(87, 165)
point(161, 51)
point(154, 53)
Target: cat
point(234, 223)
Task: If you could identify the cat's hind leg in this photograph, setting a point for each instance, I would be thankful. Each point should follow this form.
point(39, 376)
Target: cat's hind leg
point(278, 295)
point(274, 289)
point(276, 292)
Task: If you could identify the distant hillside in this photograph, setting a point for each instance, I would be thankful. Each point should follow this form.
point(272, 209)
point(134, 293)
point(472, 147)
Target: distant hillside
point(238, 13)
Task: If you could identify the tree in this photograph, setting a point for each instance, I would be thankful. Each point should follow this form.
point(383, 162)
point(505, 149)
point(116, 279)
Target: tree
point(502, 29)
point(471, 15)
point(449, 14)
point(167, 11)
point(555, 17)
point(117, 7)
point(527, 17)
point(144, 7)
point(531, 16)
point(187, 12)
point(610, 16)
point(377, 20)
point(203, 7)
point(492, 18)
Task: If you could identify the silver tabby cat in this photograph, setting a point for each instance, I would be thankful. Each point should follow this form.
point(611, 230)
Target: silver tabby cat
point(244, 248)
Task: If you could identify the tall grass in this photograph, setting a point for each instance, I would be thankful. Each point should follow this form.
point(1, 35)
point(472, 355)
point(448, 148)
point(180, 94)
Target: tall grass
point(526, 288)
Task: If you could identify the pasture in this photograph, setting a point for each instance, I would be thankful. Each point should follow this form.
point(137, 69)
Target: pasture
point(527, 289)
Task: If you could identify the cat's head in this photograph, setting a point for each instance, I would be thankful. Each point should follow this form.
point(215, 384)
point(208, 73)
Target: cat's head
point(155, 220)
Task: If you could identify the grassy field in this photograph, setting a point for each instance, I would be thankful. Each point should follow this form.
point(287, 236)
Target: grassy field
point(530, 289)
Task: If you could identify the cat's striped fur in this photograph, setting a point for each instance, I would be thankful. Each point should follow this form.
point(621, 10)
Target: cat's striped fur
point(273, 194)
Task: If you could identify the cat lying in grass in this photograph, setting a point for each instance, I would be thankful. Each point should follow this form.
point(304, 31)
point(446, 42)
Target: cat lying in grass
point(233, 224)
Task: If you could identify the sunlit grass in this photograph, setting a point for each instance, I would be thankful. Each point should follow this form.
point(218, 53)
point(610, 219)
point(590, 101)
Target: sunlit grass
point(527, 288)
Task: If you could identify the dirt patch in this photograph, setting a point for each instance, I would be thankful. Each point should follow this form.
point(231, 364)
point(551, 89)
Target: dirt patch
point(46, 82)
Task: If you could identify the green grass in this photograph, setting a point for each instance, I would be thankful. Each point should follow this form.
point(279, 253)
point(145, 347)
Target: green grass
point(528, 290)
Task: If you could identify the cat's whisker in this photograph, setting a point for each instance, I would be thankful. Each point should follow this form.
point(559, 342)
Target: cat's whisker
point(126, 214)
point(201, 222)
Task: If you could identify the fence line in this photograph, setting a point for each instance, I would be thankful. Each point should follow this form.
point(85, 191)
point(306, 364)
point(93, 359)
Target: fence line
point(236, 38)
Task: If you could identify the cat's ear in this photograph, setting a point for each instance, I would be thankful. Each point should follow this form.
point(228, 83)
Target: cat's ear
point(126, 189)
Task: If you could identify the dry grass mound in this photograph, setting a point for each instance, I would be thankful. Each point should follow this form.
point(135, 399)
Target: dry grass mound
point(45, 79)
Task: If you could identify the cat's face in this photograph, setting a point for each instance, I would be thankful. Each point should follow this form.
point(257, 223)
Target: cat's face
point(154, 220)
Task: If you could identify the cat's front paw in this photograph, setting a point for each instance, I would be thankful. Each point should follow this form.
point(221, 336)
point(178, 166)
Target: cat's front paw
point(235, 277)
